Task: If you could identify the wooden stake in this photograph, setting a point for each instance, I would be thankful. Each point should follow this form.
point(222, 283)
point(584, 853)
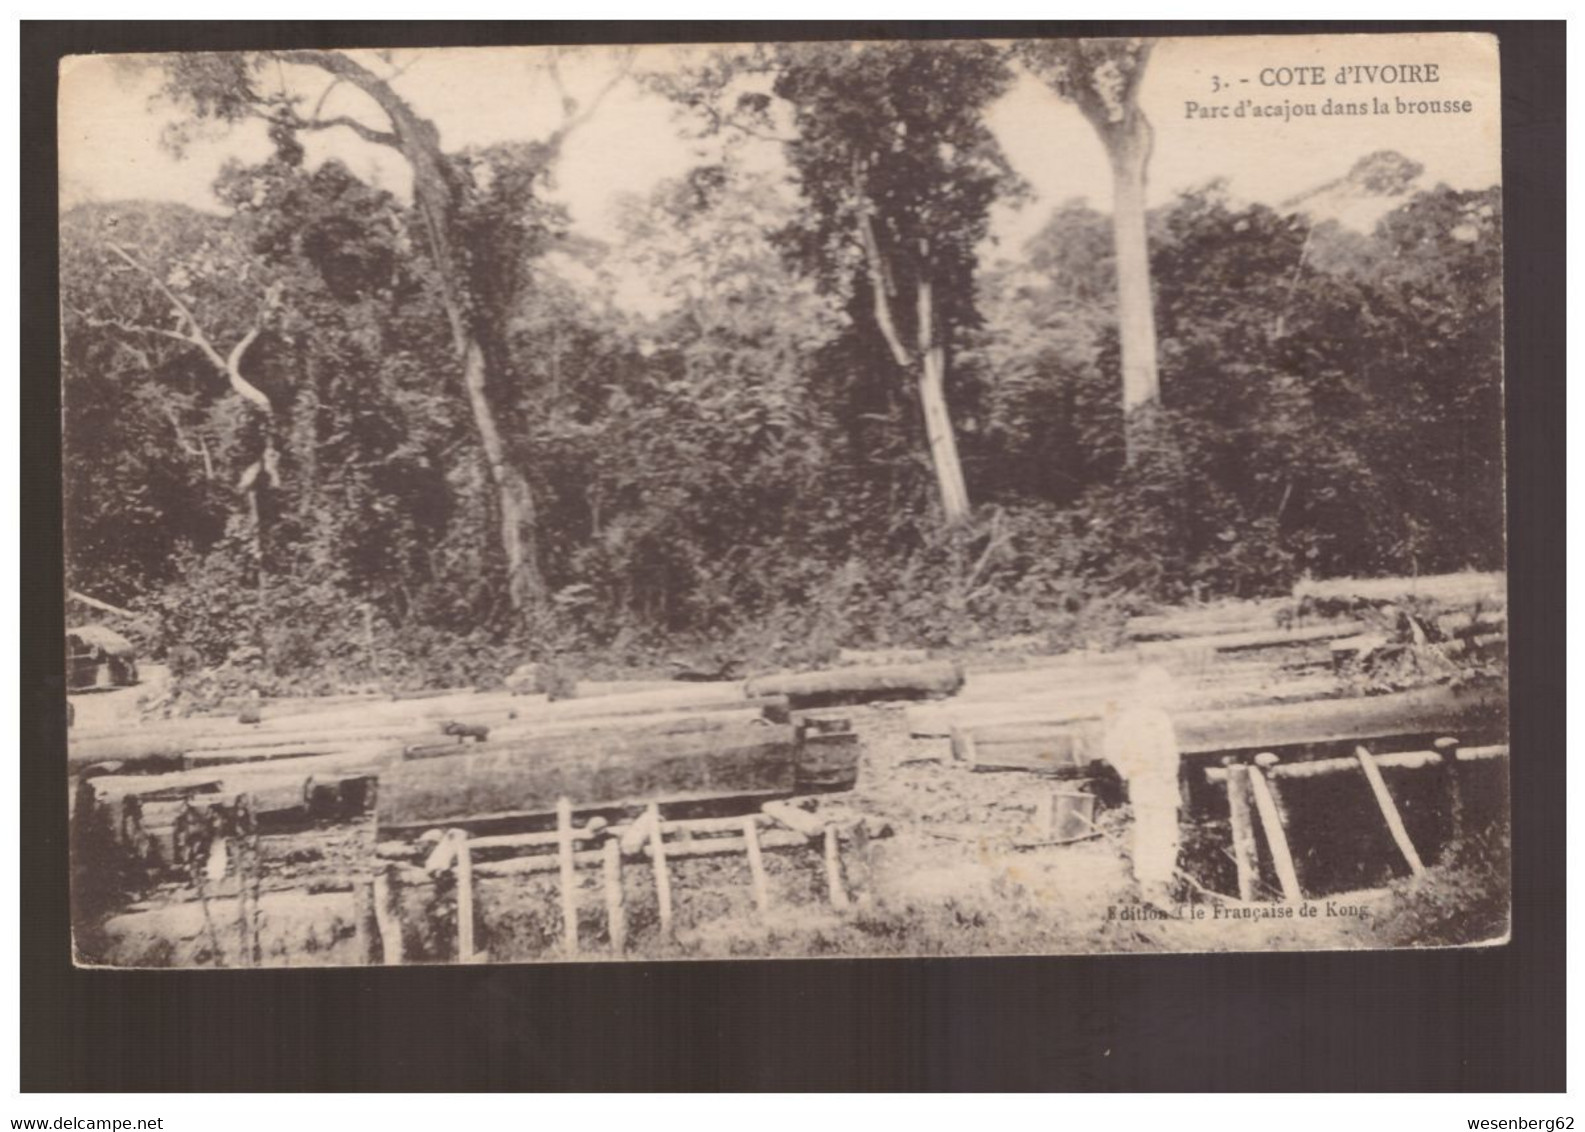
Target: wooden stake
point(1453, 797)
point(464, 871)
point(1267, 762)
point(368, 924)
point(756, 866)
point(386, 903)
point(662, 876)
point(1243, 827)
point(1276, 838)
point(839, 892)
point(1389, 810)
point(569, 876)
point(615, 911)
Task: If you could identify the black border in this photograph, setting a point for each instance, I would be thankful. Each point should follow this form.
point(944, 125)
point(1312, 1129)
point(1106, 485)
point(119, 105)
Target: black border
point(1486, 1020)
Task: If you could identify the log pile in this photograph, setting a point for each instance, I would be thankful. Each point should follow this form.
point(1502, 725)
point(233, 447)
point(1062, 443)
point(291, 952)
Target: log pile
point(498, 756)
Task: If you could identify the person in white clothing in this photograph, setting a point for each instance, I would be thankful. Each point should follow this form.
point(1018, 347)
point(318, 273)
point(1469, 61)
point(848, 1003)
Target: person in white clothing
point(1142, 746)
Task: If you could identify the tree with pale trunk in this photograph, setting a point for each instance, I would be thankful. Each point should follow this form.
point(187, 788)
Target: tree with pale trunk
point(232, 88)
point(889, 147)
point(1101, 77)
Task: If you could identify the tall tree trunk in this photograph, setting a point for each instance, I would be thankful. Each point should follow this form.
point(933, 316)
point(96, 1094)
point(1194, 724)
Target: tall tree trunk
point(938, 420)
point(514, 499)
point(436, 196)
point(929, 370)
point(1129, 150)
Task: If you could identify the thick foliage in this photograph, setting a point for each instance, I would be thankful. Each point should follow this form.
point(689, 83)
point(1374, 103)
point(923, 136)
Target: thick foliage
point(736, 471)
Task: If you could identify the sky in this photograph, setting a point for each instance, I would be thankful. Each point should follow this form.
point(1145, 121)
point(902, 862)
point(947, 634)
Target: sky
point(110, 130)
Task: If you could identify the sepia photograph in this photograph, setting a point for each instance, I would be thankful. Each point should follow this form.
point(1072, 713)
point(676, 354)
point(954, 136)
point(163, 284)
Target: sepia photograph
point(784, 500)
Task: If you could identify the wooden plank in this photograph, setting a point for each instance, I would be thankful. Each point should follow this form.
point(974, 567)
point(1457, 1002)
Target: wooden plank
point(861, 685)
point(1389, 810)
point(464, 869)
point(725, 846)
point(569, 877)
point(756, 865)
point(1403, 760)
point(833, 857)
point(1447, 753)
point(615, 898)
point(385, 915)
point(657, 846)
point(1242, 825)
point(1276, 836)
point(1065, 751)
point(750, 760)
point(799, 821)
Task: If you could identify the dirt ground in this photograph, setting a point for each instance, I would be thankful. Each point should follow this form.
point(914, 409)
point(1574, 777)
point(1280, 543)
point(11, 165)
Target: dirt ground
point(949, 880)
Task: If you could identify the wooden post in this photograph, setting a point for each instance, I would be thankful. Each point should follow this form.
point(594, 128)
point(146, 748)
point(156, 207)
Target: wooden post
point(1271, 820)
point(464, 874)
point(839, 892)
point(387, 901)
point(1242, 824)
point(756, 866)
point(615, 912)
point(368, 928)
point(1389, 810)
point(1453, 795)
point(662, 876)
point(569, 876)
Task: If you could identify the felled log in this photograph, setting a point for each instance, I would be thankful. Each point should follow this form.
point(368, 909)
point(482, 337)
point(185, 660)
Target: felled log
point(861, 685)
point(1212, 620)
point(1257, 639)
point(1319, 727)
point(676, 697)
point(1489, 590)
point(1402, 760)
point(524, 779)
point(1101, 674)
point(228, 756)
point(594, 689)
point(168, 742)
point(664, 723)
point(934, 721)
point(873, 657)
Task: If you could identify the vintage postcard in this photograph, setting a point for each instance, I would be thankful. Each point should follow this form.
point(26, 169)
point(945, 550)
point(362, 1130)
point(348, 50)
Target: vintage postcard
point(771, 500)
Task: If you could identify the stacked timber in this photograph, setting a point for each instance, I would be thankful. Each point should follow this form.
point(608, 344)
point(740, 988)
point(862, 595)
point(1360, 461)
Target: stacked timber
point(168, 744)
point(1318, 729)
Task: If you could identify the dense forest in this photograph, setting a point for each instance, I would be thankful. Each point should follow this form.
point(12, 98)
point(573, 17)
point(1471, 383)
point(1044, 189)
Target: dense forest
point(333, 434)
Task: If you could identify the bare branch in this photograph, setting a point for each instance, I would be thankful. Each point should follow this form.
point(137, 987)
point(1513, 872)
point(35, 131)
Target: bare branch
point(319, 106)
point(196, 336)
point(367, 133)
point(572, 115)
